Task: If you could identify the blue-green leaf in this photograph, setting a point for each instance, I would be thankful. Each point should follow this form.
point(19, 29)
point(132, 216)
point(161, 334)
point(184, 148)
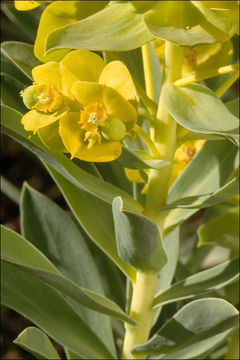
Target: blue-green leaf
point(21, 254)
point(226, 192)
point(197, 321)
point(138, 239)
point(200, 283)
point(55, 234)
point(198, 109)
point(95, 216)
point(206, 173)
point(222, 230)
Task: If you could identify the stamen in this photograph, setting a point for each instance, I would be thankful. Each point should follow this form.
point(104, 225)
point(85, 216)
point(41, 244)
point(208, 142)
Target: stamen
point(93, 118)
point(43, 98)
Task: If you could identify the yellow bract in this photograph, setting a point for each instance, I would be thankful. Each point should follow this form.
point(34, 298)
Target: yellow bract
point(49, 99)
point(183, 156)
point(82, 95)
point(26, 5)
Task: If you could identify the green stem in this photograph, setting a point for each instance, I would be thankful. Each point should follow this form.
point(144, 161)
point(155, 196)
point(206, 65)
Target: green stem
point(227, 84)
point(147, 71)
point(150, 144)
point(141, 310)
point(163, 134)
point(207, 74)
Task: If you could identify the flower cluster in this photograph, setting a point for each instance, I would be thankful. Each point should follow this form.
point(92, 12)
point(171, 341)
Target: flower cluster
point(81, 105)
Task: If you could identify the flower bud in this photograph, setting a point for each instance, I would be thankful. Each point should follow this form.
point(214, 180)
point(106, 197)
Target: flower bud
point(113, 130)
point(30, 96)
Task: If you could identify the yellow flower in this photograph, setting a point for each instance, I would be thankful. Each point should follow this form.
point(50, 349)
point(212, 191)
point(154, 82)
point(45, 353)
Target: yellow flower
point(27, 5)
point(200, 57)
point(183, 156)
point(133, 175)
point(93, 103)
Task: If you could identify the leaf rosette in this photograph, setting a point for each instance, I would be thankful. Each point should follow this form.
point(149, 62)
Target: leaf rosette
point(81, 106)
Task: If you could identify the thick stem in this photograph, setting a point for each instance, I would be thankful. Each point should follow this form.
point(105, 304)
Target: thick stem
point(141, 310)
point(164, 136)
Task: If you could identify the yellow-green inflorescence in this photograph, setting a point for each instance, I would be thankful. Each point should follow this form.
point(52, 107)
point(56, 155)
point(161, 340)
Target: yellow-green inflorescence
point(83, 104)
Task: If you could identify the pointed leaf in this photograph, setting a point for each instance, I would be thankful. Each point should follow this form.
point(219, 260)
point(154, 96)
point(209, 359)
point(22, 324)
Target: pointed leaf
point(21, 55)
point(37, 343)
point(50, 311)
point(226, 192)
point(95, 216)
point(222, 230)
point(55, 234)
point(10, 93)
point(200, 283)
point(21, 254)
point(194, 322)
point(206, 173)
point(138, 239)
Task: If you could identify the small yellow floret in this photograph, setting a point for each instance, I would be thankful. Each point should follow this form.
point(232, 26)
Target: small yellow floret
point(49, 99)
point(133, 175)
point(92, 117)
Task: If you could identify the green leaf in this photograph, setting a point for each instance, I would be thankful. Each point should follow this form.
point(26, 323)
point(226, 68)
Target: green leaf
point(9, 68)
point(21, 254)
point(10, 190)
point(198, 109)
point(171, 245)
point(87, 209)
point(117, 27)
point(21, 55)
point(233, 106)
point(166, 274)
point(200, 283)
point(206, 173)
point(222, 230)
point(218, 24)
point(226, 192)
point(24, 22)
point(70, 355)
point(11, 126)
point(47, 227)
point(140, 160)
point(181, 23)
point(46, 308)
point(10, 93)
point(37, 343)
point(56, 16)
point(138, 239)
point(197, 321)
